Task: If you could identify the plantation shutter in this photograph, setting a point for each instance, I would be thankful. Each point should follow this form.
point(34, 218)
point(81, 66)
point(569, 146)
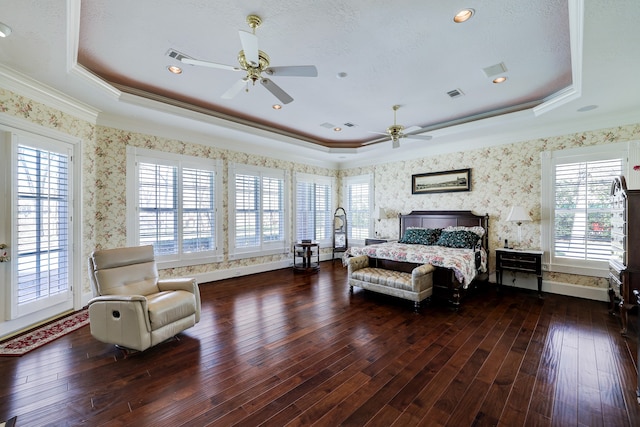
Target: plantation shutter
point(305, 209)
point(158, 207)
point(359, 210)
point(582, 210)
point(247, 210)
point(257, 217)
point(198, 210)
point(272, 209)
point(173, 204)
point(43, 224)
point(323, 212)
point(313, 208)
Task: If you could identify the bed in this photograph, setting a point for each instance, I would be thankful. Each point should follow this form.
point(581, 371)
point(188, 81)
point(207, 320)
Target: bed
point(456, 269)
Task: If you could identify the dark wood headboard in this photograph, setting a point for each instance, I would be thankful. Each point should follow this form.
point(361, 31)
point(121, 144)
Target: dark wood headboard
point(442, 219)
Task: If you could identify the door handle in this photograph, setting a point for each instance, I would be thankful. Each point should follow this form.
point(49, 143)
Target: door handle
point(3, 253)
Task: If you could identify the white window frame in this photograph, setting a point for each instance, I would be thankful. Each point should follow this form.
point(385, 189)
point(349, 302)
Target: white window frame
point(549, 160)
point(136, 155)
point(357, 180)
point(317, 180)
point(16, 129)
point(264, 248)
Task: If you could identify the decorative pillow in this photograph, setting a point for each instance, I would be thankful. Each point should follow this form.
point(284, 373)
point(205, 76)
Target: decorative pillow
point(475, 229)
point(458, 239)
point(421, 236)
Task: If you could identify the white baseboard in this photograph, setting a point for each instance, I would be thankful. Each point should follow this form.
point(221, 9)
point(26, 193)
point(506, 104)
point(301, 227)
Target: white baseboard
point(524, 282)
point(560, 288)
point(229, 273)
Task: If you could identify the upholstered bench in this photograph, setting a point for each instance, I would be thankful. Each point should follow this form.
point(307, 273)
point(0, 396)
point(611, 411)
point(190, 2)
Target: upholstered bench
point(415, 286)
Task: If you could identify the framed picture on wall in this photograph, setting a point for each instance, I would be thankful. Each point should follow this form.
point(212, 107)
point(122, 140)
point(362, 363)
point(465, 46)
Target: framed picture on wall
point(441, 182)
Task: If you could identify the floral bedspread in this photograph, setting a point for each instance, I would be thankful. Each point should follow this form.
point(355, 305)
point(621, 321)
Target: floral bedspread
point(461, 261)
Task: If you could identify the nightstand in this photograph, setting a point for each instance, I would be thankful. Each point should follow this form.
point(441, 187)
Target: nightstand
point(525, 261)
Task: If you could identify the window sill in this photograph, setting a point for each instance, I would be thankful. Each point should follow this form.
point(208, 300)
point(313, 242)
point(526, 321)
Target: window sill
point(163, 265)
point(256, 254)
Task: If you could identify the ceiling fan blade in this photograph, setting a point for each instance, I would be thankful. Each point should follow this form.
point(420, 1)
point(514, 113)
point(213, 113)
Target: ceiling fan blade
point(191, 61)
point(422, 137)
point(294, 71)
point(250, 47)
point(414, 129)
point(411, 129)
point(378, 133)
point(276, 91)
point(235, 89)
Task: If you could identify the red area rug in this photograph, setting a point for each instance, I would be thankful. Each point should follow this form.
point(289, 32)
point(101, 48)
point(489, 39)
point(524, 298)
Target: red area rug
point(22, 344)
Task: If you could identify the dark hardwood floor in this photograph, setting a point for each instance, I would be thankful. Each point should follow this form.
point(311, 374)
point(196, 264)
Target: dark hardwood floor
point(281, 348)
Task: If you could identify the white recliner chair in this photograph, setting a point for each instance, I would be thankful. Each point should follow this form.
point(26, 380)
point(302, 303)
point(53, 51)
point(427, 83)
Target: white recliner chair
point(131, 307)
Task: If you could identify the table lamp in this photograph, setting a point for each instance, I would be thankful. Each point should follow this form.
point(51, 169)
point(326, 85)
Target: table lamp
point(518, 215)
point(378, 214)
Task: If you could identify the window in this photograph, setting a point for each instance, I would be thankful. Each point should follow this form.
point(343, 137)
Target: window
point(314, 208)
point(257, 215)
point(175, 205)
point(358, 202)
point(578, 207)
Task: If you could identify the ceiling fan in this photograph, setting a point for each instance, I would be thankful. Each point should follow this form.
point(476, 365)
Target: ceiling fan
point(254, 62)
point(397, 131)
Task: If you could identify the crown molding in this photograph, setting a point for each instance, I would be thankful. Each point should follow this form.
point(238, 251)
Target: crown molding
point(268, 148)
point(26, 86)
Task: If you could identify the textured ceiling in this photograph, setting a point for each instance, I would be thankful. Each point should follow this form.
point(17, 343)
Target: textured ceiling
point(571, 53)
point(409, 53)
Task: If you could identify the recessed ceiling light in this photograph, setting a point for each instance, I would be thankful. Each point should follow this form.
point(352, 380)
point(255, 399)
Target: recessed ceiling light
point(174, 69)
point(500, 79)
point(337, 129)
point(276, 106)
point(5, 30)
point(463, 16)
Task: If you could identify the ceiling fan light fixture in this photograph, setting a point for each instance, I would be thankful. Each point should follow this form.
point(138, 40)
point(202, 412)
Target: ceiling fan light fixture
point(463, 16)
point(253, 62)
point(174, 69)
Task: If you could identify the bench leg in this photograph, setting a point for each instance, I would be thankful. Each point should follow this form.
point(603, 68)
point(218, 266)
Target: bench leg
point(416, 306)
point(350, 289)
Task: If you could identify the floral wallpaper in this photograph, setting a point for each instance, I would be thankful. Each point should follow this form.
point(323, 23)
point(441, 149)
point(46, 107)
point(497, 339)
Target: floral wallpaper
point(110, 214)
point(501, 176)
point(37, 113)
